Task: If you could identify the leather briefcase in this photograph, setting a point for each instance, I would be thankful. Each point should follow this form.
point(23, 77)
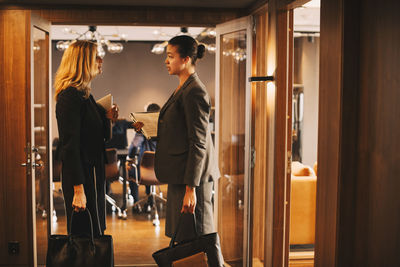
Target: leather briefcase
point(197, 260)
point(80, 251)
point(208, 244)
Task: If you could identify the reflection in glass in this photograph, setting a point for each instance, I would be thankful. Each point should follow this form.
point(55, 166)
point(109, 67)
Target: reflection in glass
point(297, 121)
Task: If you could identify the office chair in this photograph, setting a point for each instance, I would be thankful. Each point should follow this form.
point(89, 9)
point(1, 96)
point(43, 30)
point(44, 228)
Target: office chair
point(148, 177)
point(112, 174)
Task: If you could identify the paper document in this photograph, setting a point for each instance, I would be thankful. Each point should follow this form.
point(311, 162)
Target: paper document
point(150, 122)
point(106, 102)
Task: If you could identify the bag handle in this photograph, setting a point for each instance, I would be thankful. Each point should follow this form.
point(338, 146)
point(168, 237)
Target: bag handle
point(91, 225)
point(172, 242)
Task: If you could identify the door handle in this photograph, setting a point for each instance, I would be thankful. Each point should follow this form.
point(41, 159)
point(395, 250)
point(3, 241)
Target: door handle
point(26, 164)
point(37, 165)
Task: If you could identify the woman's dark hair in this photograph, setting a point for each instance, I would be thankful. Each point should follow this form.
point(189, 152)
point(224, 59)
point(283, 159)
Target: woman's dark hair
point(188, 47)
point(153, 107)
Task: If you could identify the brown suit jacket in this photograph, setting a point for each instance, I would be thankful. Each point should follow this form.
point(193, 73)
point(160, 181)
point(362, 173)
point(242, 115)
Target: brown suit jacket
point(185, 151)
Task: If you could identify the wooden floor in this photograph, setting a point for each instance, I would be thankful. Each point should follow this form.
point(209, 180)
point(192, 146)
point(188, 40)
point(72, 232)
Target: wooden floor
point(135, 239)
point(301, 259)
point(296, 259)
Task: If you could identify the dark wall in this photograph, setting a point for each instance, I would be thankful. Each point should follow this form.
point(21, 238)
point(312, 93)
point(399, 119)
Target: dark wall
point(136, 77)
point(358, 199)
point(377, 229)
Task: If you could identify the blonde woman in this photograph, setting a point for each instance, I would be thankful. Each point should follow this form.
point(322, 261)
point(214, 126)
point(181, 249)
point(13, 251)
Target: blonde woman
point(83, 127)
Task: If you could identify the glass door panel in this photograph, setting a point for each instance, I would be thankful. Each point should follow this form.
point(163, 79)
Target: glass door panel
point(232, 140)
point(40, 140)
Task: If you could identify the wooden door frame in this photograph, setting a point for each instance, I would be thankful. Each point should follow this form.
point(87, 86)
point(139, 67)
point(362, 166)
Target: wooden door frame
point(278, 64)
point(337, 152)
point(332, 129)
point(277, 145)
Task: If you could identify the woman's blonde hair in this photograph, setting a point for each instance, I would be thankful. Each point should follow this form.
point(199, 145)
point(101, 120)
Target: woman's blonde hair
point(78, 67)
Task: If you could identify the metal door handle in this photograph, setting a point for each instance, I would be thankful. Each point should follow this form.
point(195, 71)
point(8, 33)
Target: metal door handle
point(26, 164)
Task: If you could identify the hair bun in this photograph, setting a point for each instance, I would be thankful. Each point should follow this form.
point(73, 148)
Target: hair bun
point(200, 50)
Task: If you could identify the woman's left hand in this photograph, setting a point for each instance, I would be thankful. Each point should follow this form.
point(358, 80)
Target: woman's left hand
point(189, 200)
point(113, 113)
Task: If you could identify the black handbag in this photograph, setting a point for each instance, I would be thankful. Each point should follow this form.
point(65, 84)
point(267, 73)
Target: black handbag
point(209, 244)
point(77, 250)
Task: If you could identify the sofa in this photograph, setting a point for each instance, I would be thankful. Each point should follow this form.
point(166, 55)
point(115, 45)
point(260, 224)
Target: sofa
point(302, 204)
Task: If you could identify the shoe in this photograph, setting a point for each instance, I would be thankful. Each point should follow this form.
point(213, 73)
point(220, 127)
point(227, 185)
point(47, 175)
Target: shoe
point(136, 209)
point(147, 208)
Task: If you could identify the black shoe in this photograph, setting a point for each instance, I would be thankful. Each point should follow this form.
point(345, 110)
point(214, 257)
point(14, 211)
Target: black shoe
point(136, 209)
point(147, 207)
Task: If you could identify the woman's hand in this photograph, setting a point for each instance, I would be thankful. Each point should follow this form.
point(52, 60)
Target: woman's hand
point(79, 200)
point(189, 200)
point(113, 113)
point(138, 126)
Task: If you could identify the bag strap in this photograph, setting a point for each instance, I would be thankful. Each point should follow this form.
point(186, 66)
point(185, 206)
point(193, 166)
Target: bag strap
point(172, 242)
point(90, 221)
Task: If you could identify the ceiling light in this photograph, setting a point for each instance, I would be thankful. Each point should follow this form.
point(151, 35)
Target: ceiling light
point(93, 35)
point(160, 47)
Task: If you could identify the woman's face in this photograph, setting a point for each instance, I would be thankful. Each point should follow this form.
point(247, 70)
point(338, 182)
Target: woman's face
point(175, 64)
point(99, 63)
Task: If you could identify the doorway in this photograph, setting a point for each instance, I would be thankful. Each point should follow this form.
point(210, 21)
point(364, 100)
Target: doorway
point(239, 155)
point(135, 77)
point(304, 167)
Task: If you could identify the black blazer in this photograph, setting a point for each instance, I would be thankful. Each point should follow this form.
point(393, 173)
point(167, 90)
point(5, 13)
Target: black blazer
point(83, 129)
point(185, 151)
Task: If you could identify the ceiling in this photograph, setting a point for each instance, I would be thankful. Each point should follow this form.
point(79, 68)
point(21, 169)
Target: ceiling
point(148, 3)
point(306, 19)
point(313, 3)
point(133, 33)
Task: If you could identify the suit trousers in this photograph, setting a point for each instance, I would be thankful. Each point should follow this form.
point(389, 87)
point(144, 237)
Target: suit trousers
point(203, 211)
point(94, 187)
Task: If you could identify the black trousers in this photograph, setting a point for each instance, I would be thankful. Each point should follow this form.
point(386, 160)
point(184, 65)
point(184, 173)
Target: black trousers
point(94, 187)
point(203, 210)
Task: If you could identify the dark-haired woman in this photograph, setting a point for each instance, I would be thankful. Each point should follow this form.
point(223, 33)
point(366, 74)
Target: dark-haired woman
point(185, 157)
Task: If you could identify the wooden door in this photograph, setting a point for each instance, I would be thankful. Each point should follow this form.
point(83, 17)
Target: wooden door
point(233, 116)
point(17, 180)
point(15, 230)
point(272, 124)
point(261, 125)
